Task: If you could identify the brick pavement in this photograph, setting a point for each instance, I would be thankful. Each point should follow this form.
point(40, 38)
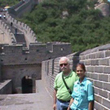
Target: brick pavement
point(41, 100)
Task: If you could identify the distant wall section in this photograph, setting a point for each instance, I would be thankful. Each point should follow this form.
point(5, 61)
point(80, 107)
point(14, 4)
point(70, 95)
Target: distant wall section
point(18, 61)
point(22, 7)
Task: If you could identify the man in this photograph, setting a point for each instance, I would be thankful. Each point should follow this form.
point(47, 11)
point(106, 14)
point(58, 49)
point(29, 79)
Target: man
point(61, 94)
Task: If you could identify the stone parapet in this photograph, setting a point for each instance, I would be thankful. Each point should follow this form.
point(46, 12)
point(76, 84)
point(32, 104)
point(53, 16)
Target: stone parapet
point(6, 87)
point(30, 36)
point(97, 62)
point(5, 32)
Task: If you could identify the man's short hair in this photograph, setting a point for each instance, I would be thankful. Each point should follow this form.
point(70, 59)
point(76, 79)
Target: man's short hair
point(64, 58)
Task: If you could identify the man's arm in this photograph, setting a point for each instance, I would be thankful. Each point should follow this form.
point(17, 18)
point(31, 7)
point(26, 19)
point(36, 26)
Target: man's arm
point(91, 105)
point(54, 99)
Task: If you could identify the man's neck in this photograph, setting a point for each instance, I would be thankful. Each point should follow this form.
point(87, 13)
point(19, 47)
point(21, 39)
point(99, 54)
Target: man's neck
point(66, 73)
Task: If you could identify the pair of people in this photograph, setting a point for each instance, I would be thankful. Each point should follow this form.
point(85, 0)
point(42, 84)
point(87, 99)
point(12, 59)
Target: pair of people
point(82, 96)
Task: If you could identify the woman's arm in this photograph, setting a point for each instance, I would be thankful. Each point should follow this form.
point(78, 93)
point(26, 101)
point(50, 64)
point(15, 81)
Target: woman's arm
point(71, 101)
point(91, 105)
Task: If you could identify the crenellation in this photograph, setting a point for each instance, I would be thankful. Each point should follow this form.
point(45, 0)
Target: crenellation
point(12, 49)
point(37, 48)
point(35, 54)
point(61, 47)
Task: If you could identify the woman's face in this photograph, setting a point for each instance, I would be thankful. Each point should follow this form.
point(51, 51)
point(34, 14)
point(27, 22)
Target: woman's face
point(80, 72)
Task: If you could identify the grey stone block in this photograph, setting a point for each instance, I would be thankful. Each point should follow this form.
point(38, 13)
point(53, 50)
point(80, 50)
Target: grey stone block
point(103, 77)
point(106, 70)
point(98, 106)
point(87, 62)
point(94, 62)
point(107, 53)
point(106, 86)
point(106, 103)
point(92, 56)
point(104, 62)
point(90, 68)
point(103, 93)
point(98, 84)
point(96, 90)
point(98, 99)
point(94, 76)
point(109, 96)
point(100, 54)
point(98, 69)
point(82, 57)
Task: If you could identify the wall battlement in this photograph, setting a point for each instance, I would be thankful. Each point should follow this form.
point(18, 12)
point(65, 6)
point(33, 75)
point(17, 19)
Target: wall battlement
point(35, 48)
point(30, 36)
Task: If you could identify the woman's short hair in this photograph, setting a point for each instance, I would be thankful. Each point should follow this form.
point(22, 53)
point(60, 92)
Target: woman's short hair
point(81, 65)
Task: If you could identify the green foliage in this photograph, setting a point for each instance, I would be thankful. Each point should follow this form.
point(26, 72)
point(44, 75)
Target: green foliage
point(84, 27)
point(8, 2)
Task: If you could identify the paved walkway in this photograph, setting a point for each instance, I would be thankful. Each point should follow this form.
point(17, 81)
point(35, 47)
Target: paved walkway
point(41, 100)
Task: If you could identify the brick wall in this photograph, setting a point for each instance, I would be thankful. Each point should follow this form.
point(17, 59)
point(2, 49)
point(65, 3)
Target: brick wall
point(97, 63)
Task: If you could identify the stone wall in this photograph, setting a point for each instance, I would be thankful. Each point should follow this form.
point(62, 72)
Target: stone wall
point(0, 71)
point(17, 72)
point(6, 87)
point(30, 36)
point(97, 63)
point(17, 54)
point(17, 61)
point(21, 8)
point(6, 32)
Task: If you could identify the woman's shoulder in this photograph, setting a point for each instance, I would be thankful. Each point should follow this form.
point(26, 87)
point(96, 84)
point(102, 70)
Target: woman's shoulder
point(88, 81)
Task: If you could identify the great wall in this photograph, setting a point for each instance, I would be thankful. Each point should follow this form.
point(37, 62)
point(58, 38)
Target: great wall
point(24, 56)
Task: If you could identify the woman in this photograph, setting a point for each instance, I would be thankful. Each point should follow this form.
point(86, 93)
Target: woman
point(83, 94)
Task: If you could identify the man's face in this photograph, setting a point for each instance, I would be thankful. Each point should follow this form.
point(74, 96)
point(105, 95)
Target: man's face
point(64, 65)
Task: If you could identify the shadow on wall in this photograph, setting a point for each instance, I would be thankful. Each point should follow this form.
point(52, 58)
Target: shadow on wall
point(75, 60)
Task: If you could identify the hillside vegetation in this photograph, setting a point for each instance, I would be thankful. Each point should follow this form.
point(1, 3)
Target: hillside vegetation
point(8, 2)
point(84, 27)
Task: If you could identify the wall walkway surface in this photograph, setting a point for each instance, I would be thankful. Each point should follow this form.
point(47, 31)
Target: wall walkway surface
point(41, 100)
point(97, 62)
